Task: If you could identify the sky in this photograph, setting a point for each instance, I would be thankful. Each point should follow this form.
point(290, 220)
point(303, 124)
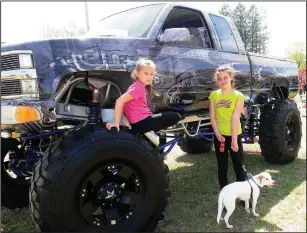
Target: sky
point(286, 21)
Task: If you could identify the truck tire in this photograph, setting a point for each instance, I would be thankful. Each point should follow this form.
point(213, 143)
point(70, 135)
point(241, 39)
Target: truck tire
point(14, 189)
point(99, 180)
point(195, 146)
point(280, 131)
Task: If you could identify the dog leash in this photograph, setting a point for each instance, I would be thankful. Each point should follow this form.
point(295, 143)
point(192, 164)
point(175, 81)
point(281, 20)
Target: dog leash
point(249, 176)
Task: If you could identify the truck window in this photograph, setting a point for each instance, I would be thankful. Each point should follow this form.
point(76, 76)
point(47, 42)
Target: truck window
point(134, 22)
point(225, 35)
point(183, 18)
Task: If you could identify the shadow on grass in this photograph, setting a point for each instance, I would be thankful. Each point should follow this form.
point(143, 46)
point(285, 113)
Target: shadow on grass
point(194, 184)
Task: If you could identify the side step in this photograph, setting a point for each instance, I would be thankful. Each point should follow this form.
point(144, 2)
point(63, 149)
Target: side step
point(195, 116)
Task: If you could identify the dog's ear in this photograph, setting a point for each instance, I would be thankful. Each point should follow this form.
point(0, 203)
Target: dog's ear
point(260, 178)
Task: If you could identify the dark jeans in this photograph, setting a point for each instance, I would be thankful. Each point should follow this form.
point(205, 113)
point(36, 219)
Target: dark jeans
point(222, 160)
point(156, 122)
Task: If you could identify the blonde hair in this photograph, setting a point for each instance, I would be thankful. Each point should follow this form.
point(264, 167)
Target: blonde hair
point(140, 63)
point(229, 71)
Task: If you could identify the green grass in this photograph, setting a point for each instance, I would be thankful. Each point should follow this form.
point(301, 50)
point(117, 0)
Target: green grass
point(194, 184)
point(17, 220)
point(193, 204)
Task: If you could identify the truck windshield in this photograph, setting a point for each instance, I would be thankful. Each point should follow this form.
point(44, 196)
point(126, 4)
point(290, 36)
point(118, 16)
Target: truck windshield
point(131, 23)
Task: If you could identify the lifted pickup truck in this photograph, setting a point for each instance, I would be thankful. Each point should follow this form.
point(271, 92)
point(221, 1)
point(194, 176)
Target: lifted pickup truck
point(86, 178)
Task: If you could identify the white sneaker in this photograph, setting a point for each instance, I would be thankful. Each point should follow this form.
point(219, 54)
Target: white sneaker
point(153, 137)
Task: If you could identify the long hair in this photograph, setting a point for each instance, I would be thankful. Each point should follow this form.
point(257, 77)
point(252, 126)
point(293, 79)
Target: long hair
point(229, 71)
point(140, 63)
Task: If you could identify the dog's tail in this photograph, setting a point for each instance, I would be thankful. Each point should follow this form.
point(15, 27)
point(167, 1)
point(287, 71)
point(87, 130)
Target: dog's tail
point(220, 207)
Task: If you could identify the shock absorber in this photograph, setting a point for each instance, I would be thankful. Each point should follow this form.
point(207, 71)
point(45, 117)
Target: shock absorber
point(94, 108)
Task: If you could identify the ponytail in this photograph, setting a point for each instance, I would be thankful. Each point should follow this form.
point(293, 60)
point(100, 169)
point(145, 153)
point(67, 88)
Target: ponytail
point(149, 92)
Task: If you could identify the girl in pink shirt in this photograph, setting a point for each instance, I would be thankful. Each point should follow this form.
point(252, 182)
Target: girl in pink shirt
point(134, 103)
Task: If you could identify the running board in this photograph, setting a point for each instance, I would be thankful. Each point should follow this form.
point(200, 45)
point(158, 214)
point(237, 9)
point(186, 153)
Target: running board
point(195, 118)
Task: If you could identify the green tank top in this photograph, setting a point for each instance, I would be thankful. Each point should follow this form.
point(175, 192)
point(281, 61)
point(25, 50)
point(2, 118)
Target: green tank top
point(225, 105)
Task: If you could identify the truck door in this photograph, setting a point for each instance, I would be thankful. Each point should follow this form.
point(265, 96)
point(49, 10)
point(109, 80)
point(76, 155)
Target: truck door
point(185, 69)
point(230, 46)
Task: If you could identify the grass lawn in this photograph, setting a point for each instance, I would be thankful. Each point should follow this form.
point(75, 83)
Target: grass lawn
point(193, 204)
point(194, 184)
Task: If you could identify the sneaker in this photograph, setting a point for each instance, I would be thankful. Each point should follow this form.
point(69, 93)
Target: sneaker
point(153, 137)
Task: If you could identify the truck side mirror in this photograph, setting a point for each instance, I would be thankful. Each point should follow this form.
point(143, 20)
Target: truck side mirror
point(174, 36)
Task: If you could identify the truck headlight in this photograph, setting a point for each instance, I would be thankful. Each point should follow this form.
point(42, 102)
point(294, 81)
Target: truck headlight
point(29, 86)
point(25, 61)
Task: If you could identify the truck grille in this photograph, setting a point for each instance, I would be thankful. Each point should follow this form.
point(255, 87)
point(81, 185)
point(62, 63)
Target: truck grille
point(10, 87)
point(9, 62)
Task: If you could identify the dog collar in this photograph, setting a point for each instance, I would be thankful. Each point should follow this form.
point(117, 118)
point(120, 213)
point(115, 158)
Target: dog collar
point(250, 176)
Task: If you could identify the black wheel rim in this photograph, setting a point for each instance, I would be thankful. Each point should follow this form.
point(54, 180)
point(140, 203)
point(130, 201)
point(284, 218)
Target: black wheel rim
point(292, 132)
point(110, 195)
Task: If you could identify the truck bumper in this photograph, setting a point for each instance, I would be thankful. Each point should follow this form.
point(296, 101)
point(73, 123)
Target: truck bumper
point(26, 116)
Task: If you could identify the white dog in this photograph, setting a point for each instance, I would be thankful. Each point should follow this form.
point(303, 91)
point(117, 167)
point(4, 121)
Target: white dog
point(242, 191)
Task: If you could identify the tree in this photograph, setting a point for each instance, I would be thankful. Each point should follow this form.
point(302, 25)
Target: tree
point(226, 10)
point(258, 30)
point(251, 26)
point(261, 32)
point(239, 16)
point(297, 52)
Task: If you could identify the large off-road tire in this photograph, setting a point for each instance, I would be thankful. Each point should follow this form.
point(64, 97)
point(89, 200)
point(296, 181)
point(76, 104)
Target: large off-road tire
point(99, 180)
point(195, 146)
point(280, 131)
point(14, 189)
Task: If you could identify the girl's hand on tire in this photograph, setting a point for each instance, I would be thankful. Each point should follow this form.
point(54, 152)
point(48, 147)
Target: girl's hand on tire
point(111, 125)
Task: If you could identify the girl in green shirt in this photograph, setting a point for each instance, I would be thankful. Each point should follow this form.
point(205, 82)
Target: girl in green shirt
point(226, 106)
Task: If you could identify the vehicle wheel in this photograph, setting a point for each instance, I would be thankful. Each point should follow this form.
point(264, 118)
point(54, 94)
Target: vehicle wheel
point(195, 146)
point(102, 181)
point(14, 187)
point(280, 131)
